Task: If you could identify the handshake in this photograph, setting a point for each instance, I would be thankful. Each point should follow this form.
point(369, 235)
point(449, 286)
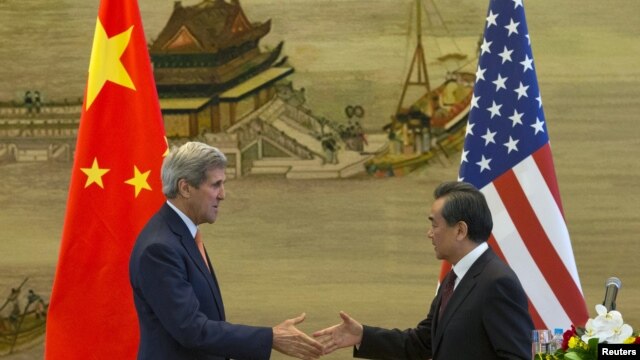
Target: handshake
point(288, 340)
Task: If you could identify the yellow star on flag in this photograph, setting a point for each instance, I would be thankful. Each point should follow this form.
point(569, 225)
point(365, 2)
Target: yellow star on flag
point(105, 62)
point(94, 174)
point(166, 152)
point(139, 180)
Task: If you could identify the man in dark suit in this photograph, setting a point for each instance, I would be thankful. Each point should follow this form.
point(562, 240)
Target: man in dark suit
point(175, 289)
point(479, 312)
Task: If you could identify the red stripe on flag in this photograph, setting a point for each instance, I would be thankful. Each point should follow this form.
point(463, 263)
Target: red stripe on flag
point(544, 161)
point(539, 246)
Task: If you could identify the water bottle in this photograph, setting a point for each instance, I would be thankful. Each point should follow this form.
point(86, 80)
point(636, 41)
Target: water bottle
point(535, 343)
point(540, 342)
point(556, 341)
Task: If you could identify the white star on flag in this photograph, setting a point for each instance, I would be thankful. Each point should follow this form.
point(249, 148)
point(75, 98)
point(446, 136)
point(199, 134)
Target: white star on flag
point(474, 101)
point(521, 90)
point(512, 27)
point(527, 63)
point(506, 55)
point(488, 137)
point(538, 126)
point(480, 73)
point(469, 130)
point(484, 164)
point(494, 110)
point(463, 158)
point(511, 145)
point(485, 47)
point(491, 19)
point(516, 118)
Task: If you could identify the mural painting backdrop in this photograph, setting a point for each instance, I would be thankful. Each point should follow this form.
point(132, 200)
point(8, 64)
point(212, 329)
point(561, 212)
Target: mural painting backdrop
point(282, 247)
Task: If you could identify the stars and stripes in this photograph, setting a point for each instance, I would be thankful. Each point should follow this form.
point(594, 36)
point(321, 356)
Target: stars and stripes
point(507, 155)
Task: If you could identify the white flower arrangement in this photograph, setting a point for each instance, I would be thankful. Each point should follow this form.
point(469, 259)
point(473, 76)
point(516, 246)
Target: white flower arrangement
point(608, 327)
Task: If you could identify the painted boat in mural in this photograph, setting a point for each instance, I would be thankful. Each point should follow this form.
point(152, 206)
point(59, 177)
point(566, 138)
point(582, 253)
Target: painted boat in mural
point(21, 327)
point(433, 124)
point(414, 142)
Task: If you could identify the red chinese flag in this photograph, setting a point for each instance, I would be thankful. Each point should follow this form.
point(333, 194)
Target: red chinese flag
point(115, 188)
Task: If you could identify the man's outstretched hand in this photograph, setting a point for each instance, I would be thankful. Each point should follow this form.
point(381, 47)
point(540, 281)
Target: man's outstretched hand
point(288, 340)
point(346, 334)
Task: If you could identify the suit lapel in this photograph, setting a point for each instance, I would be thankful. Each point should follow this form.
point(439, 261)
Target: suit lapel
point(216, 293)
point(180, 229)
point(461, 293)
point(192, 249)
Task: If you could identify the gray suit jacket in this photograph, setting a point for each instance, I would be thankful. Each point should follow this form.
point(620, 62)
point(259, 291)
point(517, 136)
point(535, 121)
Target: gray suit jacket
point(487, 318)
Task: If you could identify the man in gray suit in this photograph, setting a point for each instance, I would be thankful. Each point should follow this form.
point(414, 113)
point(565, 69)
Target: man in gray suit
point(479, 312)
point(175, 290)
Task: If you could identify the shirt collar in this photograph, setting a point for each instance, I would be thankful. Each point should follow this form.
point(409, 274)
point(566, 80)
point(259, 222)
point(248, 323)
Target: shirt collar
point(192, 227)
point(465, 263)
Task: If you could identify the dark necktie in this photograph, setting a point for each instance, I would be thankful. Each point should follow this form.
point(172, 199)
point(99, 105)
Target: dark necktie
point(447, 290)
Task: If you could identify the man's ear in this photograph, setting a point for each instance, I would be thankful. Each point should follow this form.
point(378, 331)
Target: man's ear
point(184, 189)
point(462, 229)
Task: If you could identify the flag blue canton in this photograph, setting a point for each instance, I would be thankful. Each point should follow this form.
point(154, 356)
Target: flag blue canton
point(506, 120)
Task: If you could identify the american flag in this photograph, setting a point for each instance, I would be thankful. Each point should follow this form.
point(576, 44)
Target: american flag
point(507, 155)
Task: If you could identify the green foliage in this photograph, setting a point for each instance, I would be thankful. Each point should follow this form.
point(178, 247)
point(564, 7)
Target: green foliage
point(573, 356)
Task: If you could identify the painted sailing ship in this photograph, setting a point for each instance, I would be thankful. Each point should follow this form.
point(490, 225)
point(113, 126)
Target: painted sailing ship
point(431, 125)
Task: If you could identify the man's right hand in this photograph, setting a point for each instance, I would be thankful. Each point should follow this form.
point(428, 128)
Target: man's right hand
point(346, 334)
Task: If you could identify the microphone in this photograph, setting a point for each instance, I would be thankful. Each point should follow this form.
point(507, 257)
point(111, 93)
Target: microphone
point(612, 286)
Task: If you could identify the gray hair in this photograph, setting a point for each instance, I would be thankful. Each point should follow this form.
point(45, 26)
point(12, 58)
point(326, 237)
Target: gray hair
point(190, 162)
point(464, 202)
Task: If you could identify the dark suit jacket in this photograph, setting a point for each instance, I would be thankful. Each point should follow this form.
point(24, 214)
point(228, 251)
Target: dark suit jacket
point(180, 309)
point(487, 318)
